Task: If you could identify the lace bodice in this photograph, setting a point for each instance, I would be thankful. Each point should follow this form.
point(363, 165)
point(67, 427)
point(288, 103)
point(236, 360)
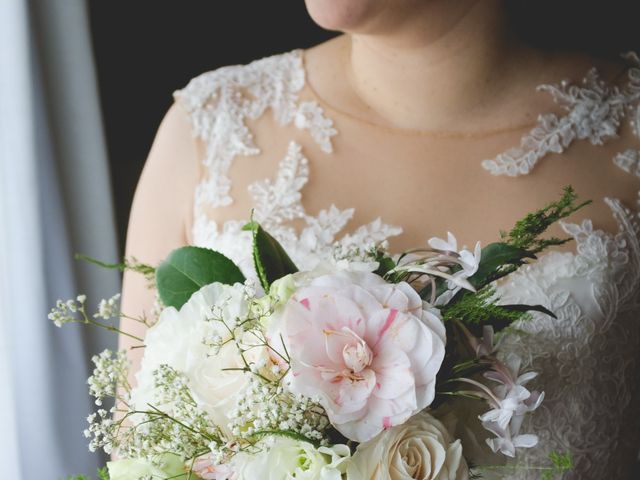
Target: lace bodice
point(588, 357)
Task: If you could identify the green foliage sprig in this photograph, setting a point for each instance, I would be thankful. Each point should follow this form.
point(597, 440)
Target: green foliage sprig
point(478, 309)
point(526, 232)
point(128, 264)
point(562, 463)
point(102, 474)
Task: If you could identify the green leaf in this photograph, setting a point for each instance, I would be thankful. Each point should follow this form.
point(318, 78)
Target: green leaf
point(186, 270)
point(527, 308)
point(494, 256)
point(385, 263)
point(103, 473)
point(270, 259)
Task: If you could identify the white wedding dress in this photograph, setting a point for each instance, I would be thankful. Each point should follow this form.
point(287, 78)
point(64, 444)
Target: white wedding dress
point(588, 358)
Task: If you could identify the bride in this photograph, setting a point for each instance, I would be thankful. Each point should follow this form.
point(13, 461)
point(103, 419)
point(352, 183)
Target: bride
point(426, 117)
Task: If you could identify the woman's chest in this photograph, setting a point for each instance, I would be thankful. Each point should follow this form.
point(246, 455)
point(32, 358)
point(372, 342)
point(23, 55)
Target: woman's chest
point(426, 186)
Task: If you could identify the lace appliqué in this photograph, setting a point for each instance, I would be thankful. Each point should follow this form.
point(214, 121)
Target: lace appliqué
point(311, 117)
point(588, 357)
point(594, 112)
point(220, 101)
point(629, 161)
point(280, 200)
point(277, 201)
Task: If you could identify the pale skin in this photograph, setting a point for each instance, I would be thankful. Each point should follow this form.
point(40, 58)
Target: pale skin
point(421, 92)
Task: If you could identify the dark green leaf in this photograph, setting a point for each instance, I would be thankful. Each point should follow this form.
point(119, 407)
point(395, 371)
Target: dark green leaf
point(529, 308)
point(494, 256)
point(270, 259)
point(385, 263)
point(186, 270)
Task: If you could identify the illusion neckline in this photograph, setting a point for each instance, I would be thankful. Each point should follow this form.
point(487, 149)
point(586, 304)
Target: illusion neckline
point(435, 134)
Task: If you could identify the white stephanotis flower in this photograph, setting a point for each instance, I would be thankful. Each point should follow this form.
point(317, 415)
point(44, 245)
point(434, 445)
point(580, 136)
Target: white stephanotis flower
point(511, 401)
point(368, 350)
point(420, 449)
point(469, 261)
point(284, 458)
point(179, 339)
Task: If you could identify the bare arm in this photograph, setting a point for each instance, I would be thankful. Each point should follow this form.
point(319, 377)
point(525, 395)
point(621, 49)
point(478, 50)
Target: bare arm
point(160, 218)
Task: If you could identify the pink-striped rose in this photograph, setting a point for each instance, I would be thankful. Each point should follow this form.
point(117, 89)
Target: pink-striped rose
point(369, 350)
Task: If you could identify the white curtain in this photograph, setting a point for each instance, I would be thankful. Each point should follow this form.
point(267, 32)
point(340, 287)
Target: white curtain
point(54, 201)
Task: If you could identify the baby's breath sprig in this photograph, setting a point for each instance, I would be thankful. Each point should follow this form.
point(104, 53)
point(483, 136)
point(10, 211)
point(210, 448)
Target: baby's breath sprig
point(174, 423)
point(74, 311)
point(266, 408)
point(247, 334)
point(109, 378)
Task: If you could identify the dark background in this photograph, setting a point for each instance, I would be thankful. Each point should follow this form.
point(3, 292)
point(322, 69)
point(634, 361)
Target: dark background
point(146, 49)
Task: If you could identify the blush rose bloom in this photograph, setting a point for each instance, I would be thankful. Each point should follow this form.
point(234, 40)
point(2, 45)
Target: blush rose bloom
point(421, 449)
point(367, 349)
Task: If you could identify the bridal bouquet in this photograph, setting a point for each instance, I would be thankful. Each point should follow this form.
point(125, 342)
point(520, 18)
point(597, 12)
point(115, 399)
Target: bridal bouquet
point(358, 369)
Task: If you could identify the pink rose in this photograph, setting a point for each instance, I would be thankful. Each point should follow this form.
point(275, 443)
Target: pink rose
point(369, 350)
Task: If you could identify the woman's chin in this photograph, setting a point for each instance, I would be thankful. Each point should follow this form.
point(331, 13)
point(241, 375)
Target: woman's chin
point(345, 15)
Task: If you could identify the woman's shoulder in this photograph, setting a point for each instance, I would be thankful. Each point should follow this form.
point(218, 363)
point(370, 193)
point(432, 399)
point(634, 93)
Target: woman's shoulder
point(269, 81)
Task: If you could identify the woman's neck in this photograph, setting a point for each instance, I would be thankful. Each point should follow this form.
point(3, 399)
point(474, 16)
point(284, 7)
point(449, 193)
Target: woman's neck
point(455, 60)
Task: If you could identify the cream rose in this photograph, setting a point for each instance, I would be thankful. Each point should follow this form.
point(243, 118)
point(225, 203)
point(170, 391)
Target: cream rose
point(420, 449)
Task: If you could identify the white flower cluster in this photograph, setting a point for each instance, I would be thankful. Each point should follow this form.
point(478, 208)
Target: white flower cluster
point(108, 308)
point(510, 402)
point(67, 312)
point(174, 423)
point(109, 374)
point(267, 406)
point(102, 430)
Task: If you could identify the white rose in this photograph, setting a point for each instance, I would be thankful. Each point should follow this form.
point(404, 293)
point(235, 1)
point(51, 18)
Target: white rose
point(420, 449)
point(177, 340)
point(286, 458)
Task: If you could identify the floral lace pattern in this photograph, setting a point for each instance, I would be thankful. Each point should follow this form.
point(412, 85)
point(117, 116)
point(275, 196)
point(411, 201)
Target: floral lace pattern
point(220, 101)
point(588, 356)
point(595, 111)
point(629, 161)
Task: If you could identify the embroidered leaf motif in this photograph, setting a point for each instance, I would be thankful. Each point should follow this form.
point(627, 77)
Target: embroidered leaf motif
point(594, 112)
point(279, 200)
point(311, 117)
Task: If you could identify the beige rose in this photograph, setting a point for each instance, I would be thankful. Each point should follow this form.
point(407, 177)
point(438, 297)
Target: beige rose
point(420, 449)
